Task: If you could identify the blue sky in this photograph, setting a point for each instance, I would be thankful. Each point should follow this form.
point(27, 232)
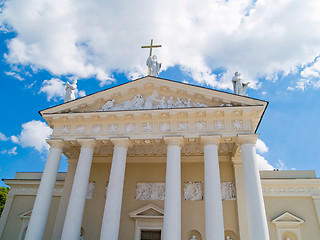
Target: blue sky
point(274, 44)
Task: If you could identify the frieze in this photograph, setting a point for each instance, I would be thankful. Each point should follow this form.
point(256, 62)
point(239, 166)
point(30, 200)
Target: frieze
point(228, 191)
point(150, 191)
point(193, 191)
point(151, 102)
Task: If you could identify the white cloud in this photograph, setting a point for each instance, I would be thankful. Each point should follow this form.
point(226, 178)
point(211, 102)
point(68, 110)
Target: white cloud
point(12, 151)
point(258, 38)
point(282, 166)
point(34, 134)
point(54, 88)
point(15, 75)
point(263, 164)
point(3, 137)
point(81, 93)
point(261, 147)
point(15, 139)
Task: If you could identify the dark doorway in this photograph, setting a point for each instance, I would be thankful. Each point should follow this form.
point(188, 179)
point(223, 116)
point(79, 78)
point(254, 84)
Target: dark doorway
point(150, 234)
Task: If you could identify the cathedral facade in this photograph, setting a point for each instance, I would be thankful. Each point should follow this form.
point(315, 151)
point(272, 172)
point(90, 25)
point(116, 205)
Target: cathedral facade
point(156, 159)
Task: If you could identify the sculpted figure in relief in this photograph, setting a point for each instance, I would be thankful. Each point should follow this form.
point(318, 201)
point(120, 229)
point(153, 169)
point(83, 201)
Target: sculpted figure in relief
point(154, 66)
point(170, 102)
point(108, 105)
point(238, 86)
point(162, 102)
point(138, 101)
point(70, 91)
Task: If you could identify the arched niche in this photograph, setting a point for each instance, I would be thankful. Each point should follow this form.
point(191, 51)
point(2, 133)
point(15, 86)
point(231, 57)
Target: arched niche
point(194, 234)
point(230, 235)
point(289, 236)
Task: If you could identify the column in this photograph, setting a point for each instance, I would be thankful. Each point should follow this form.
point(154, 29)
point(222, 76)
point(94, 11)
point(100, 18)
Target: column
point(172, 202)
point(213, 198)
point(241, 199)
point(73, 220)
point(42, 203)
point(64, 200)
point(112, 210)
point(257, 220)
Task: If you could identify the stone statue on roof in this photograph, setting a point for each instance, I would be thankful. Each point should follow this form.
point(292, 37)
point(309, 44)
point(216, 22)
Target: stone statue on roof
point(70, 91)
point(239, 87)
point(154, 66)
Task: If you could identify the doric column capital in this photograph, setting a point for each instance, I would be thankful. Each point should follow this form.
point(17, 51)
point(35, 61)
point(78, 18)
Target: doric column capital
point(210, 139)
point(56, 143)
point(87, 142)
point(121, 142)
point(247, 139)
point(173, 140)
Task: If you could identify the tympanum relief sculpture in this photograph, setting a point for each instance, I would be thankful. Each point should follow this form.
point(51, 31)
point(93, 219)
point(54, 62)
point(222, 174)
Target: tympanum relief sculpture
point(150, 102)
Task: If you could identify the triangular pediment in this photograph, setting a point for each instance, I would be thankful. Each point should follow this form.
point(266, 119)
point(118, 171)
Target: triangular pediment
point(287, 218)
point(148, 211)
point(26, 214)
point(152, 93)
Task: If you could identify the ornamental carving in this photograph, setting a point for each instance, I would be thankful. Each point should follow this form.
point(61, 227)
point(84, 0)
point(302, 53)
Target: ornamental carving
point(237, 124)
point(150, 191)
point(146, 127)
point(193, 191)
point(219, 125)
point(130, 128)
point(182, 126)
point(81, 129)
point(228, 190)
point(153, 101)
point(65, 129)
point(201, 125)
point(113, 127)
point(96, 128)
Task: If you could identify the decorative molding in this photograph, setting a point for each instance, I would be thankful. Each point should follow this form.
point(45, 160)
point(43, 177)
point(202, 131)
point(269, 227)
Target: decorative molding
point(193, 191)
point(150, 191)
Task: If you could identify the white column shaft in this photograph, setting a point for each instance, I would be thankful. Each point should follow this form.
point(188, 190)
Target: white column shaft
point(257, 220)
point(213, 198)
point(72, 224)
point(172, 203)
point(112, 210)
point(42, 203)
